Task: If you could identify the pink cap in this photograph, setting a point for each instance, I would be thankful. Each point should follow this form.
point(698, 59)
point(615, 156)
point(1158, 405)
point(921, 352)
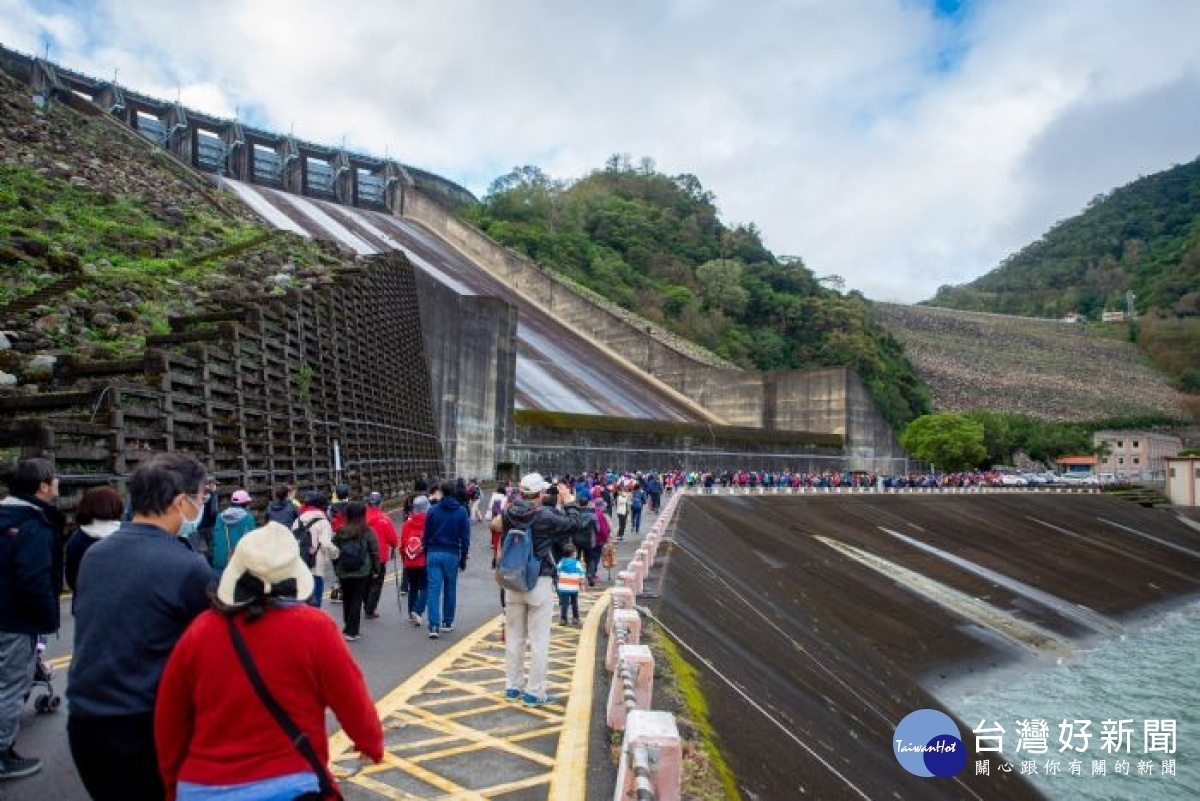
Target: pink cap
point(241, 498)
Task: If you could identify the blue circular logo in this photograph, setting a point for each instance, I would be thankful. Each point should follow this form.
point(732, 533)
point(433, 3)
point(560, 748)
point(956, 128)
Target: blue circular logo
point(927, 743)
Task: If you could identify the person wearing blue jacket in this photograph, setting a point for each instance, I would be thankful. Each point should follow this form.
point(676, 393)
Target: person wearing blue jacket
point(447, 541)
point(30, 580)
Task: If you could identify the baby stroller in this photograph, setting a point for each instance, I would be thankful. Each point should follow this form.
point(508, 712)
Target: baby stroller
point(47, 700)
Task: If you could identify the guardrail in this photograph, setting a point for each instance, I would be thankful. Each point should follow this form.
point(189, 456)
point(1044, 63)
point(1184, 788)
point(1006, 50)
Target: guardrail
point(874, 490)
point(651, 765)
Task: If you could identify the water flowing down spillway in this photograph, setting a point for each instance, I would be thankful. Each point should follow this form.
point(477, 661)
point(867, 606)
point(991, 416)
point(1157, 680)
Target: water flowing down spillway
point(557, 369)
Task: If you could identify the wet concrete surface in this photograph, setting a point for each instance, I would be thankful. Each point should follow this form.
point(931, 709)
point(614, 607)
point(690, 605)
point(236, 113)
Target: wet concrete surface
point(801, 602)
point(557, 369)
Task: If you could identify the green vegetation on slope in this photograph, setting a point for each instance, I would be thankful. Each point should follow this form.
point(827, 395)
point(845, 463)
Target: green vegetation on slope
point(654, 244)
point(1142, 238)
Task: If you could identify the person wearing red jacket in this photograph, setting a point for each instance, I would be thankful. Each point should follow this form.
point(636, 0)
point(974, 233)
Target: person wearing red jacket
point(385, 534)
point(211, 727)
point(412, 552)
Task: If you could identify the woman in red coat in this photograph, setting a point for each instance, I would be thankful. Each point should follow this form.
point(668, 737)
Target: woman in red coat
point(211, 727)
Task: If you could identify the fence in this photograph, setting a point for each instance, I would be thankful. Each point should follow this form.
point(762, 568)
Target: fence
point(263, 395)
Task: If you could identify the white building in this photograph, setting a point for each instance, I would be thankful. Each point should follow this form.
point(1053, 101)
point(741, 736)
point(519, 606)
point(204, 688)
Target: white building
point(1183, 480)
point(1138, 454)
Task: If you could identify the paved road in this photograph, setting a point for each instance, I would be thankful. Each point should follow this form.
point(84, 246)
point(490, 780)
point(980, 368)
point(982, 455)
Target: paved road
point(390, 651)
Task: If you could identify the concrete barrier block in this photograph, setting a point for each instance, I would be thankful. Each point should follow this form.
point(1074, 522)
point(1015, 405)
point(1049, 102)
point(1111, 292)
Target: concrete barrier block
point(641, 666)
point(639, 566)
point(631, 622)
point(631, 579)
point(622, 598)
point(658, 734)
point(643, 554)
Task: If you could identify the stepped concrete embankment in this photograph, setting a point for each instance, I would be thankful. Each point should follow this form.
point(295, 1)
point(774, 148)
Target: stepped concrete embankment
point(836, 614)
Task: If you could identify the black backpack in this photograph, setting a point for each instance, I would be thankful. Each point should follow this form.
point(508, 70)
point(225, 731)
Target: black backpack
point(304, 541)
point(352, 555)
point(585, 536)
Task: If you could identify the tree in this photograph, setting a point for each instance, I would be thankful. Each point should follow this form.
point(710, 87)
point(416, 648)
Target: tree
point(948, 441)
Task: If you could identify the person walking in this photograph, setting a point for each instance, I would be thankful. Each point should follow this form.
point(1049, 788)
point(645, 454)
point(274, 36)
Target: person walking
point(212, 727)
point(137, 590)
point(30, 570)
point(357, 562)
point(603, 533)
point(570, 582)
point(97, 516)
point(283, 509)
point(622, 511)
point(412, 553)
point(315, 533)
point(386, 542)
point(637, 500)
point(232, 524)
point(528, 616)
point(447, 542)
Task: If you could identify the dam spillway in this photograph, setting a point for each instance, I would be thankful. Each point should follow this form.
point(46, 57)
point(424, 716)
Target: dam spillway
point(834, 651)
point(557, 368)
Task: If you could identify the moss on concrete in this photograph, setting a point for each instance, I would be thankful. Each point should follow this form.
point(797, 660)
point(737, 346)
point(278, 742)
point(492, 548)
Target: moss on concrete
point(706, 774)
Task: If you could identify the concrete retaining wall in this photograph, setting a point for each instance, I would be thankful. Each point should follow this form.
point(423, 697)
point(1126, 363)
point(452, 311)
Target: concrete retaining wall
point(573, 450)
point(471, 348)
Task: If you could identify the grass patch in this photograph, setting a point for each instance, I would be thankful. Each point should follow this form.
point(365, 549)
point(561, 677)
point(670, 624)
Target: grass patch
point(706, 774)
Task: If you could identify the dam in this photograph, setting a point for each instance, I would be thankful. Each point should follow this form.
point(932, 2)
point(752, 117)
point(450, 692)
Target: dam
point(818, 622)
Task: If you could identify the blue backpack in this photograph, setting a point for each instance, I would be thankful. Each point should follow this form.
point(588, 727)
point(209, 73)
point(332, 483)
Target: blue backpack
point(518, 566)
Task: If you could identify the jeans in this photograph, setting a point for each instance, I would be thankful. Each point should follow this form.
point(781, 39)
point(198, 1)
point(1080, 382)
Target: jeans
point(16, 677)
point(318, 591)
point(591, 557)
point(417, 586)
point(353, 591)
point(527, 618)
point(635, 521)
point(442, 570)
point(115, 757)
point(569, 601)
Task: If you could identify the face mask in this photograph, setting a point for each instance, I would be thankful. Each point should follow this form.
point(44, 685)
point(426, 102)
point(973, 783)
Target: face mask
point(189, 527)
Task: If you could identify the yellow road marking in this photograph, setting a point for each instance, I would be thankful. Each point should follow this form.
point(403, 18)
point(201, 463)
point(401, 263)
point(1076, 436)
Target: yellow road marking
point(570, 772)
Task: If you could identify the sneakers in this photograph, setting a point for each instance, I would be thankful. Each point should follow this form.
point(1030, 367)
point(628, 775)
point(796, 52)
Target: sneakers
point(414, 618)
point(433, 634)
point(512, 693)
point(14, 766)
point(446, 629)
point(352, 637)
point(372, 616)
point(529, 699)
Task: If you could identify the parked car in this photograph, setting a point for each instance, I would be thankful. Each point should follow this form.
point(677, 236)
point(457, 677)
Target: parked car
point(1012, 480)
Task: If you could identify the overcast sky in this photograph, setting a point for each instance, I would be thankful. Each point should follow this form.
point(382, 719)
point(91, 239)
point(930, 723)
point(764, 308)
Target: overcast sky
point(901, 144)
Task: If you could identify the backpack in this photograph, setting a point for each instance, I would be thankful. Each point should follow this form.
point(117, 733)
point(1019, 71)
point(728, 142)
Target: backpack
point(303, 533)
point(352, 555)
point(518, 567)
point(638, 499)
point(496, 508)
point(585, 536)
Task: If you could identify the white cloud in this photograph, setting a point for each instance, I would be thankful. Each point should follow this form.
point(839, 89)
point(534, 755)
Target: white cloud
point(882, 143)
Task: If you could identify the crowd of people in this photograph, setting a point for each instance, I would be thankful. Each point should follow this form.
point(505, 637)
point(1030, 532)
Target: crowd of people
point(203, 665)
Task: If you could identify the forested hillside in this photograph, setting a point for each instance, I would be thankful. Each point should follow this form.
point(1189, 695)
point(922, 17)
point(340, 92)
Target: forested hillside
point(1142, 238)
point(655, 245)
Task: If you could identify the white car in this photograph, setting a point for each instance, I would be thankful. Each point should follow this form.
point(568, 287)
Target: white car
point(1012, 480)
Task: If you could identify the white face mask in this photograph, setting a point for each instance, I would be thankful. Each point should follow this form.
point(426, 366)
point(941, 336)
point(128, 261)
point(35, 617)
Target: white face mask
point(189, 526)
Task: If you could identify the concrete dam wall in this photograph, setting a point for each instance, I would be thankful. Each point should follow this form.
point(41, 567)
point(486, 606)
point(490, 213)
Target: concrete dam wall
point(841, 614)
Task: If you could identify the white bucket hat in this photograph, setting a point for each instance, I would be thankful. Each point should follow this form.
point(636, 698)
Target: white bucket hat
point(271, 555)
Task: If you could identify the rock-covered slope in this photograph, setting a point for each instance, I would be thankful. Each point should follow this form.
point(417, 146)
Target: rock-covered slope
point(1043, 368)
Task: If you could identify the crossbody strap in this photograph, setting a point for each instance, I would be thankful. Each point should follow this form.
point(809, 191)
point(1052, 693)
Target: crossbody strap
point(298, 738)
